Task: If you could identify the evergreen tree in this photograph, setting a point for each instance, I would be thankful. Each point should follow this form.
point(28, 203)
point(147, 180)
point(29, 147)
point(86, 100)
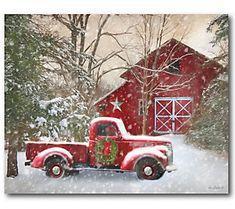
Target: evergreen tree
point(62, 119)
point(211, 129)
point(25, 48)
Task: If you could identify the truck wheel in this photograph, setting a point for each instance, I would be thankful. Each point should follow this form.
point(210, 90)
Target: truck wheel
point(55, 168)
point(149, 168)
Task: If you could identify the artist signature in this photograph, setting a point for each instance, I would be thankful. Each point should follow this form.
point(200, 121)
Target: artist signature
point(216, 188)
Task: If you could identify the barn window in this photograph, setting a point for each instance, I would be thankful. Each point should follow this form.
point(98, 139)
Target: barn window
point(141, 106)
point(174, 67)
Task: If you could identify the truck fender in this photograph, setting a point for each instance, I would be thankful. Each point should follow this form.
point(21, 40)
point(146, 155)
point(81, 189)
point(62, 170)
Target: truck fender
point(129, 162)
point(40, 159)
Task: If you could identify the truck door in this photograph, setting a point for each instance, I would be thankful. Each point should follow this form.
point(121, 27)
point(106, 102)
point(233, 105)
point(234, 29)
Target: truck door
point(105, 147)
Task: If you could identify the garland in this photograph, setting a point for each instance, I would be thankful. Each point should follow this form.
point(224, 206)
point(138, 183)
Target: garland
point(99, 147)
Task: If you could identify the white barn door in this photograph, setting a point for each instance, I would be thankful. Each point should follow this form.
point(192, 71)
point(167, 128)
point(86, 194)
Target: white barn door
point(171, 114)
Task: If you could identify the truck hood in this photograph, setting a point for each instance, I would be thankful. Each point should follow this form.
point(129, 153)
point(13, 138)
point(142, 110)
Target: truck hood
point(146, 138)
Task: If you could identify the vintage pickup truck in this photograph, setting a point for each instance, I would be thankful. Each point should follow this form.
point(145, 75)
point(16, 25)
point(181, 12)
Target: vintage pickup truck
point(110, 148)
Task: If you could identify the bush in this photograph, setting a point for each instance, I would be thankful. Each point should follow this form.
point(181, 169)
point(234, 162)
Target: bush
point(210, 130)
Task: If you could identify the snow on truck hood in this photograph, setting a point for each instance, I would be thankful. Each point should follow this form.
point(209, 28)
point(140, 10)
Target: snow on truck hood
point(144, 137)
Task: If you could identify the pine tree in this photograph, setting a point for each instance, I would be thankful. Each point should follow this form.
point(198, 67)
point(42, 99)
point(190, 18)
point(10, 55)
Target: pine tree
point(25, 48)
point(211, 129)
point(62, 119)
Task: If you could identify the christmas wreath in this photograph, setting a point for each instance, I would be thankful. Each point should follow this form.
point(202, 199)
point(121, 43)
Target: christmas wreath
point(99, 147)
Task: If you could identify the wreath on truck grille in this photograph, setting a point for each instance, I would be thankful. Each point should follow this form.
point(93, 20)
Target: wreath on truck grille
point(99, 147)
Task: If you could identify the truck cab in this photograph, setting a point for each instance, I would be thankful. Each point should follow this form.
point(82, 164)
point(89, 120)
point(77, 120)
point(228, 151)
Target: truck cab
point(110, 147)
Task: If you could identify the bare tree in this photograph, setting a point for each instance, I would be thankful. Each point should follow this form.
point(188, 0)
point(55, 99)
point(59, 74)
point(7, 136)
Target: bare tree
point(81, 60)
point(151, 37)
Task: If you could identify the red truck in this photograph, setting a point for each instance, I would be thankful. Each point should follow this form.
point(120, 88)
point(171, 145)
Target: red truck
point(110, 148)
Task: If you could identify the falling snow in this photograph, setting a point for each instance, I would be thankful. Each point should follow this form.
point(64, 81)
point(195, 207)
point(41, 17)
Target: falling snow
point(129, 127)
point(198, 171)
point(186, 50)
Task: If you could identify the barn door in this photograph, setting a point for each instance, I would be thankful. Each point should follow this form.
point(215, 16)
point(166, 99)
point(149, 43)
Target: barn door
point(172, 114)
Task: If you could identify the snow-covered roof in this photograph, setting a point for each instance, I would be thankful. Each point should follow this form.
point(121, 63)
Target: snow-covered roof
point(118, 121)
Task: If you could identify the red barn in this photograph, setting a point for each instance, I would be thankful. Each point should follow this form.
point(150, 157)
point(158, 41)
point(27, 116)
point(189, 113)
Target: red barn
point(168, 83)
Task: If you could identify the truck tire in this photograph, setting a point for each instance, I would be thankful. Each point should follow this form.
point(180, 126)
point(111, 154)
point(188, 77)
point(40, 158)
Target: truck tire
point(149, 168)
point(55, 168)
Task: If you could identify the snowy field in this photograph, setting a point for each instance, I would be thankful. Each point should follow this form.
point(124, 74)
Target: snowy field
point(199, 171)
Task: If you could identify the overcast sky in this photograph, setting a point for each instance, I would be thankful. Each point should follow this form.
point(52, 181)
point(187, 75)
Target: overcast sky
point(194, 25)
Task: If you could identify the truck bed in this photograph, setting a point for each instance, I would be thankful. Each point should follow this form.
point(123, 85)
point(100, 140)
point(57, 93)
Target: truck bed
point(78, 150)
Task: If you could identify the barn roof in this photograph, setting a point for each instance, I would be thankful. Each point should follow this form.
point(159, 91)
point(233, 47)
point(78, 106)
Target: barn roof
point(170, 41)
point(173, 42)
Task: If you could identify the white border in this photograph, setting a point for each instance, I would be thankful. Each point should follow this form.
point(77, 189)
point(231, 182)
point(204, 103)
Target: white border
point(112, 6)
point(118, 6)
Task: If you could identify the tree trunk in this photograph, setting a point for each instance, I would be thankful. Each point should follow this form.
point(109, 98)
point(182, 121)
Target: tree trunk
point(74, 43)
point(145, 90)
point(144, 124)
point(12, 168)
point(145, 113)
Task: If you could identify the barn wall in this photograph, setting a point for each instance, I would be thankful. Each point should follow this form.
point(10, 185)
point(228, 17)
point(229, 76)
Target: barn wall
point(129, 108)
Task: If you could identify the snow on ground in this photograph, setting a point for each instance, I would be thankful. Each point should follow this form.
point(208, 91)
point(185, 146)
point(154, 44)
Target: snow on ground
point(199, 171)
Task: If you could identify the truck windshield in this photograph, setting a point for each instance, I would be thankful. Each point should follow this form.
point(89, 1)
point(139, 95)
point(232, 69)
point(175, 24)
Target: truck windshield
point(107, 129)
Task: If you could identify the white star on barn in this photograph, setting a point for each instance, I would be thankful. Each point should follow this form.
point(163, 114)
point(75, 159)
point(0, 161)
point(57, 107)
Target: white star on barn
point(116, 105)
